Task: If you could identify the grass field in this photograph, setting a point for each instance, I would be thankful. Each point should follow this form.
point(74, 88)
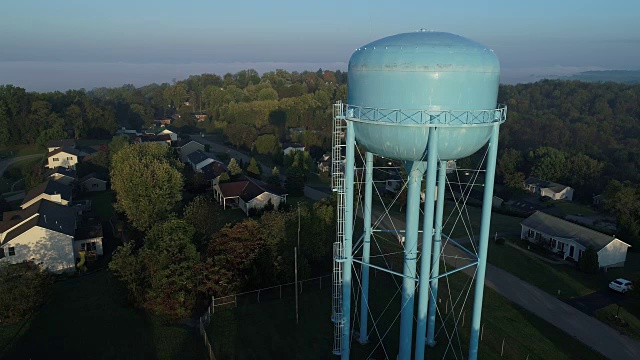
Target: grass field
point(14, 173)
point(20, 150)
point(101, 203)
point(269, 331)
point(89, 318)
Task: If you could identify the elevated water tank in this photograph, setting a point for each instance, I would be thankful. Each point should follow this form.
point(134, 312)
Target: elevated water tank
point(403, 85)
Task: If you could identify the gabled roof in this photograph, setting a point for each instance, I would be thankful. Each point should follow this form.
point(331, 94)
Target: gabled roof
point(61, 143)
point(292, 145)
point(213, 170)
point(560, 228)
point(248, 189)
point(93, 175)
point(67, 150)
point(555, 187)
point(62, 171)
point(49, 215)
point(87, 149)
point(198, 156)
point(49, 187)
point(183, 142)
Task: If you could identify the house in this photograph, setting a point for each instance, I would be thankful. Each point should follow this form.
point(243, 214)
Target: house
point(187, 147)
point(65, 156)
point(88, 238)
point(547, 188)
point(200, 117)
point(127, 132)
point(598, 200)
point(451, 166)
point(198, 159)
point(62, 175)
point(162, 122)
point(42, 232)
point(248, 193)
point(158, 139)
point(571, 240)
point(324, 166)
point(162, 131)
point(57, 144)
point(93, 182)
point(213, 171)
point(49, 190)
point(289, 147)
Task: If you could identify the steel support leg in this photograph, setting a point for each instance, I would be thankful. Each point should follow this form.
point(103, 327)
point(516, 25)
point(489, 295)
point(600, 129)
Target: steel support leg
point(487, 202)
point(366, 249)
point(348, 239)
point(427, 238)
point(437, 247)
point(416, 172)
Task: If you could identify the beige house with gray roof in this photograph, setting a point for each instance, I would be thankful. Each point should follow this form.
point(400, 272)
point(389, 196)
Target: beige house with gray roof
point(571, 240)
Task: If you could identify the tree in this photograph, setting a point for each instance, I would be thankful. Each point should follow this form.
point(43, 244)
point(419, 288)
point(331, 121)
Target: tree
point(23, 288)
point(589, 261)
point(549, 164)
point(55, 133)
point(202, 213)
point(266, 144)
point(274, 178)
point(254, 169)
point(295, 182)
point(234, 168)
point(147, 183)
point(166, 275)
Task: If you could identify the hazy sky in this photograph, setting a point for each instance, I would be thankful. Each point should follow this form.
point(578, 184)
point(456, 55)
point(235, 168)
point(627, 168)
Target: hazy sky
point(60, 44)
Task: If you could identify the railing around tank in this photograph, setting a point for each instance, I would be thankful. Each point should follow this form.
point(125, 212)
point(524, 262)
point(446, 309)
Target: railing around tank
point(427, 117)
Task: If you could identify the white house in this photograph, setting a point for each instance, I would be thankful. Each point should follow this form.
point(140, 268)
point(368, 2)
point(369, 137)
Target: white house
point(198, 160)
point(163, 131)
point(65, 156)
point(187, 147)
point(550, 189)
point(49, 190)
point(289, 147)
point(248, 193)
point(93, 182)
point(88, 238)
point(42, 233)
point(571, 240)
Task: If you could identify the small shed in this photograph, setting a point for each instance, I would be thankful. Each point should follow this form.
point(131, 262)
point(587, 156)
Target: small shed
point(93, 182)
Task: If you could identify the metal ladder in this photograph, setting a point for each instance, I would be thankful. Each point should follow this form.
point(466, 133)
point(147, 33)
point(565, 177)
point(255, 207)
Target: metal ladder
point(337, 185)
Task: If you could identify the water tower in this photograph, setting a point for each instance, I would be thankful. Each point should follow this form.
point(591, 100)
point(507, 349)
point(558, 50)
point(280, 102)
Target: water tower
point(422, 98)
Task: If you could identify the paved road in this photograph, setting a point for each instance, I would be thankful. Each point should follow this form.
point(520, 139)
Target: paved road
point(215, 147)
point(581, 326)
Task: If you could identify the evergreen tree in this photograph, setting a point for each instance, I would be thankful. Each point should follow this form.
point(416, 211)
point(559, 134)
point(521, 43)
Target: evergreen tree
point(234, 168)
point(589, 261)
point(253, 169)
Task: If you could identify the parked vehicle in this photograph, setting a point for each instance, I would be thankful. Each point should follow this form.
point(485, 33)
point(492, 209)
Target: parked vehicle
point(621, 285)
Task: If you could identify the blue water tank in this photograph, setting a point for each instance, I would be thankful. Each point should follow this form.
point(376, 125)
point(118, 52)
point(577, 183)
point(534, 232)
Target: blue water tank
point(403, 85)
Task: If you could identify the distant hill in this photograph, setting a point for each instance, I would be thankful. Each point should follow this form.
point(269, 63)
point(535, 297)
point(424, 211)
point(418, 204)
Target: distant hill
point(619, 76)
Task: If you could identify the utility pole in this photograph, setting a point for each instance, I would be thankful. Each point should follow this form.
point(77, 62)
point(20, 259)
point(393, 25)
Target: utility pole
point(295, 259)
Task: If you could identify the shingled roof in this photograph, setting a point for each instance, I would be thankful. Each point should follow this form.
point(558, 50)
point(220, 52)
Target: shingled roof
point(49, 215)
point(560, 228)
point(555, 187)
point(49, 187)
point(61, 143)
point(248, 189)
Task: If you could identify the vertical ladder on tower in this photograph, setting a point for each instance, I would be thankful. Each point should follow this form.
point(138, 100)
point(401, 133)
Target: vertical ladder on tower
point(337, 185)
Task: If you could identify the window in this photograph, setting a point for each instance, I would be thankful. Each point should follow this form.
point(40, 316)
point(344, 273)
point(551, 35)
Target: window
point(560, 246)
point(580, 253)
point(1, 253)
point(69, 158)
point(531, 233)
point(56, 159)
point(553, 243)
point(94, 185)
point(12, 251)
point(88, 246)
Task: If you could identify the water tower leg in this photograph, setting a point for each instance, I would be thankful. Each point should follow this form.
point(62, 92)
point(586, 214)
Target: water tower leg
point(416, 172)
point(366, 248)
point(484, 241)
point(348, 238)
point(427, 238)
point(435, 263)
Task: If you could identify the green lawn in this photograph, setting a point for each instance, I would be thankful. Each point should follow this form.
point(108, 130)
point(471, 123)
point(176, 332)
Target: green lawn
point(101, 203)
point(89, 318)
point(20, 150)
point(632, 326)
point(573, 208)
point(551, 278)
point(269, 329)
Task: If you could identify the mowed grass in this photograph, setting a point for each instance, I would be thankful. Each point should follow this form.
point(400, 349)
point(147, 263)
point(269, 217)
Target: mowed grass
point(551, 277)
point(20, 150)
point(268, 330)
point(89, 318)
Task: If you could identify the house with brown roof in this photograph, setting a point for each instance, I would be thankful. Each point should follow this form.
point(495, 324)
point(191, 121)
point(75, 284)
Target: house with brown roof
point(248, 193)
point(213, 171)
point(57, 144)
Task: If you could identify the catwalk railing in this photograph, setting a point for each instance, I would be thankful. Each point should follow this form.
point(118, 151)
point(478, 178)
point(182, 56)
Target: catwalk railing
point(426, 117)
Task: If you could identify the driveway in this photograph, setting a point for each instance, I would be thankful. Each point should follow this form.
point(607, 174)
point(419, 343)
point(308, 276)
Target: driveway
point(588, 304)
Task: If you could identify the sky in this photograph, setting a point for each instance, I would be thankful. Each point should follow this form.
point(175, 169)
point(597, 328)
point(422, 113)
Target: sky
point(60, 44)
